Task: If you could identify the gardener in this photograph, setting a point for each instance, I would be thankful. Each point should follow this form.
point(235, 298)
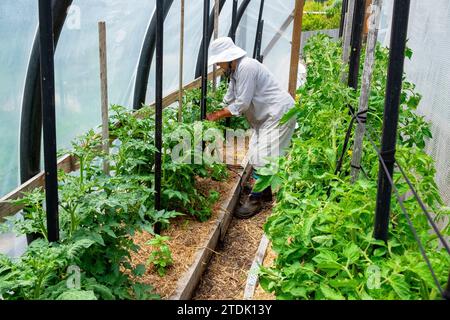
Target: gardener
point(255, 93)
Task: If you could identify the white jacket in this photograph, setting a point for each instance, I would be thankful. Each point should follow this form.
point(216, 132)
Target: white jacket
point(255, 93)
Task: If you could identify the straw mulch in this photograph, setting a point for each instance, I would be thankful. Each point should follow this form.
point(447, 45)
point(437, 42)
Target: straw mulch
point(226, 276)
point(187, 236)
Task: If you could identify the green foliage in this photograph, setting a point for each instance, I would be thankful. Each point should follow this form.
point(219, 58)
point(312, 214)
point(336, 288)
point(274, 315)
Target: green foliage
point(191, 107)
point(161, 257)
point(99, 213)
point(324, 241)
point(322, 16)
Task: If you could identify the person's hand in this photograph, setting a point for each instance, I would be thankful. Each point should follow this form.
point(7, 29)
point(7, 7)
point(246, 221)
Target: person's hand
point(211, 117)
point(218, 115)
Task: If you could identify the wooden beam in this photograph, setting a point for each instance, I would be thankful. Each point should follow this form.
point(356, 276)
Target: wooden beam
point(295, 49)
point(279, 34)
point(66, 163)
point(252, 277)
point(174, 96)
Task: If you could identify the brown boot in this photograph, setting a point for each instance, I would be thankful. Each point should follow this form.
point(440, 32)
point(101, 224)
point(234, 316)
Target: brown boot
point(267, 194)
point(251, 207)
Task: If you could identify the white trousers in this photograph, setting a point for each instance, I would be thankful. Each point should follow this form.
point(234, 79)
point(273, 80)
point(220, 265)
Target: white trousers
point(270, 142)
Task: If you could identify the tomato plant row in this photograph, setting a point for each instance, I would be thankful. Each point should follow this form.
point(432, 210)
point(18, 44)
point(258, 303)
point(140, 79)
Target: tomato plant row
point(322, 225)
point(99, 213)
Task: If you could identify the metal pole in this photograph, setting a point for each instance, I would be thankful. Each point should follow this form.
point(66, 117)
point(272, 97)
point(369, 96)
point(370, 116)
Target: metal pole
point(239, 14)
point(216, 35)
point(180, 89)
point(104, 90)
point(391, 111)
point(356, 41)
point(146, 59)
point(158, 99)
point(343, 13)
point(365, 88)
point(234, 20)
point(211, 23)
point(258, 55)
point(296, 44)
point(258, 30)
point(203, 103)
point(48, 117)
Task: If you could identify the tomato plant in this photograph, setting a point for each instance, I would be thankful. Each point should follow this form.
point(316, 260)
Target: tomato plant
point(322, 225)
point(99, 213)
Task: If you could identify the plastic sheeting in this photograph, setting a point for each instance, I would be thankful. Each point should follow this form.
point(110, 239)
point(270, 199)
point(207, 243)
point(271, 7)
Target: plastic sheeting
point(77, 70)
point(275, 13)
point(193, 33)
point(429, 69)
point(18, 23)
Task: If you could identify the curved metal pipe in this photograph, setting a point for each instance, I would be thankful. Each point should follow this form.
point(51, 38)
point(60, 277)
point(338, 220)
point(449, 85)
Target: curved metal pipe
point(146, 58)
point(31, 116)
point(198, 68)
point(240, 13)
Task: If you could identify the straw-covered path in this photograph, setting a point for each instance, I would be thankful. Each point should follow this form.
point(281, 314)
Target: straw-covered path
point(226, 275)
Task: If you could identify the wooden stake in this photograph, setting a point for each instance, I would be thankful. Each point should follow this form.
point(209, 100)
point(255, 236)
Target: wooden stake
point(180, 89)
point(104, 92)
point(347, 37)
point(295, 50)
point(367, 19)
point(366, 83)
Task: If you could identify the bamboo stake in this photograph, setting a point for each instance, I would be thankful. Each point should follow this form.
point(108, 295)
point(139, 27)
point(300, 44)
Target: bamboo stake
point(216, 35)
point(374, 21)
point(180, 88)
point(347, 37)
point(104, 92)
point(295, 50)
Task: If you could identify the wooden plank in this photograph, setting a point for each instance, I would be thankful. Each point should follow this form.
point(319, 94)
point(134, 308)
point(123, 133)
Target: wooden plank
point(189, 281)
point(174, 96)
point(295, 49)
point(252, 279)
point(66, 163)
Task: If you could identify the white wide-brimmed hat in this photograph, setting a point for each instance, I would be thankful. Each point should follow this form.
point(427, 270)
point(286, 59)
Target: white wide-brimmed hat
point(224, 50)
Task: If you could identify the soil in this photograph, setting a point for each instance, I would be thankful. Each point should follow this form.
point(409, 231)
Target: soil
point(187, 235)
point(226, 275)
